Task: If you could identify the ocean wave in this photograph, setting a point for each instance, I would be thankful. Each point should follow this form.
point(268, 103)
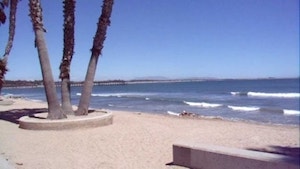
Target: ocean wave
point(239, 93)
point(281, 111)
point(173, 113)
point(107, 95)
point(36, 100)
point(118, 94)
point(262, 94)
point(284, 95)
point(269, 110)
point(12, 96)
point(243, 108)
point(202, 104)
point(291, 112)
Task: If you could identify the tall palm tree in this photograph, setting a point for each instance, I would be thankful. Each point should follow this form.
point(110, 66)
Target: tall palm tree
point(11, 35)
point(103, 23)
point(69, 22)
point(54, 109)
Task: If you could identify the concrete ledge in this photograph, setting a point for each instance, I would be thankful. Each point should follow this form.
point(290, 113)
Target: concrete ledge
point(199, 156)
point(39, 122)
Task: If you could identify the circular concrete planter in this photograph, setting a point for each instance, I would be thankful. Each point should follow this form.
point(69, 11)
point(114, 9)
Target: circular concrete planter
point(39, 121)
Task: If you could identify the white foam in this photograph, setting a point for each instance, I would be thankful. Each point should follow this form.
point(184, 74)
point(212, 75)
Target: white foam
point(202, 104)
point(120, 94)
point(234, 93)
point(105, 95)
point(291, 112)
point(239, 93)
point(173, 113)
point(283, 95)
point(242, 108)
point(35, 100)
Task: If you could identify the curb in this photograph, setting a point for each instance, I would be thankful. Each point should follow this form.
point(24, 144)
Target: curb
point(39, 122)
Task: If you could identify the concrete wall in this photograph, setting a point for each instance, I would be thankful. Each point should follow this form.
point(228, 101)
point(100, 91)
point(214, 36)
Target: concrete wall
point(199, 156)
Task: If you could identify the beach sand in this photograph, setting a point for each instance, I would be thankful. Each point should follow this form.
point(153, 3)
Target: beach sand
point(134, 140)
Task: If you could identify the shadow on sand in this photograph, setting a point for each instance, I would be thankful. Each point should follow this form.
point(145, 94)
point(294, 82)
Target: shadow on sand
point(14, 114)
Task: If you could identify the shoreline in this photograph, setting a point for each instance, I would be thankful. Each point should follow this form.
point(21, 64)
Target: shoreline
point(251, 101)
point(196, 116)
point(134, 140)
point(22, 102)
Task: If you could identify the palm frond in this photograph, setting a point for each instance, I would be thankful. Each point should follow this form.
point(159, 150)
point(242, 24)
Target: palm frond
point(3, 69)
point(3, 4)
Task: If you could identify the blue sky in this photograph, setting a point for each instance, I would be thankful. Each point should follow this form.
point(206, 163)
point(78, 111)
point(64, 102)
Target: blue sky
point(173, 39)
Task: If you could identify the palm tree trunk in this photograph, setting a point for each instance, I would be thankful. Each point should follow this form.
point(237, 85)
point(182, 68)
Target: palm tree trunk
point(11, 35)
point(66, 104)
point(69, 22)
point(87, 87)
point(54, 109)
point(103, 23)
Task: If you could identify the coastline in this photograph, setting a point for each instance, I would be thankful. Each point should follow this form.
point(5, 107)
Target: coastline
point(263, 101)
point(134, 140)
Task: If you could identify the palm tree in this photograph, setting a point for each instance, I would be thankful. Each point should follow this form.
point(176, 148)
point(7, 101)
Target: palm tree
point(3, 4)
point(103, 23)
point(54, 109)
point(69, 22)
point(12, 26)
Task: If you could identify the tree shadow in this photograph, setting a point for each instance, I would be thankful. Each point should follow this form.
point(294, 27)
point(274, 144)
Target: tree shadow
point(14, 114)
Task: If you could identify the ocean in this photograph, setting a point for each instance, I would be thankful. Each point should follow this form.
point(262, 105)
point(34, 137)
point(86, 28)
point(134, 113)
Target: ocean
point(271, 101)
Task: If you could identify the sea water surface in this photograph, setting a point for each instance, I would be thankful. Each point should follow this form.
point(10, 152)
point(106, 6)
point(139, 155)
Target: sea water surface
point(272, 101)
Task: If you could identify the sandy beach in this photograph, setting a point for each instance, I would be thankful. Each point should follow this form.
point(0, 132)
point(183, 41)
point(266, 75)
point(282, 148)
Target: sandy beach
point(134, 140)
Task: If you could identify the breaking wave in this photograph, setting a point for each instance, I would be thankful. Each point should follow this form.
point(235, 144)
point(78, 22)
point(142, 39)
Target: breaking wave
point(202, 104)
point(262, 94)
point(269, 110)
point(291, 112)
point(243, 108)
point(118, 94)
